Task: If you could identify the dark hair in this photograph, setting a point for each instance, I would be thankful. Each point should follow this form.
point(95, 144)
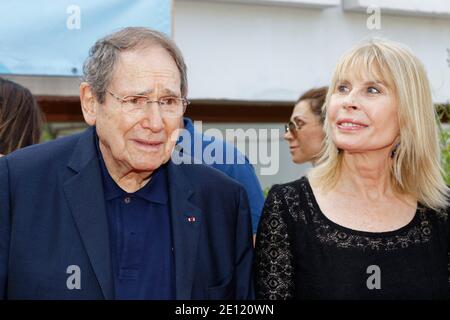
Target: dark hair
point(20, 117)
point(99, 66)
point(316, 97)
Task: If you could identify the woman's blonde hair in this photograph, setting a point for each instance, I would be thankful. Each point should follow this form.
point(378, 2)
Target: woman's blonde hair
point(416, 167)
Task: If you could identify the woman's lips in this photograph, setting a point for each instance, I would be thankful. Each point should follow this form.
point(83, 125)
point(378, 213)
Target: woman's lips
point(350, 125)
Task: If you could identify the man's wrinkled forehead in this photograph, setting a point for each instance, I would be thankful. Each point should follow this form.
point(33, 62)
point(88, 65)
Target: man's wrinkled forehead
point(152, 60)
point(138, 69)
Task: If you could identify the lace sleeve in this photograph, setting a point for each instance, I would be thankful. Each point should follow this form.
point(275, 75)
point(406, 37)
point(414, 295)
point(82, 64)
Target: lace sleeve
point(274, 278)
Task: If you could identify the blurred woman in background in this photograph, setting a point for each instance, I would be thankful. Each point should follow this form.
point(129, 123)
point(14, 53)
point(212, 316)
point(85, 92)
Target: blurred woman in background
point(304, 132)
point(20, 117)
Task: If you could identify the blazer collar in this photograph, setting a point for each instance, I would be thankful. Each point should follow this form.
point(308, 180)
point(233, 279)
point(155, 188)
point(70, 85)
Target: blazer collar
point(186, 219)
point(84, 194)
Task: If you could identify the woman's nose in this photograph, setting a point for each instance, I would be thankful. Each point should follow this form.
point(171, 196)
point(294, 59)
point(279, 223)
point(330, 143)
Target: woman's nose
point(350, 102)
point(288, 135)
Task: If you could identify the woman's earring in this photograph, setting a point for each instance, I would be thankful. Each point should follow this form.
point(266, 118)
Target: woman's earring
point(394, 151)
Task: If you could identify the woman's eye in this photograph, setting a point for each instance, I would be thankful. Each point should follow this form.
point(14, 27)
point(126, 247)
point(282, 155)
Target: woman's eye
point(373, 90)
point(342, 88)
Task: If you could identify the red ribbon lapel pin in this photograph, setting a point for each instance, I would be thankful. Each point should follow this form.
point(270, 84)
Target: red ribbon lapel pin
point(191, 219)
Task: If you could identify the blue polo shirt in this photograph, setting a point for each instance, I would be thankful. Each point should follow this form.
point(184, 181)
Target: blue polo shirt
point(244, 173)
point(141, 240)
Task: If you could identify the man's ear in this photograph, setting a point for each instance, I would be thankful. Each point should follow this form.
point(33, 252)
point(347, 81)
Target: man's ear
point(89, 103)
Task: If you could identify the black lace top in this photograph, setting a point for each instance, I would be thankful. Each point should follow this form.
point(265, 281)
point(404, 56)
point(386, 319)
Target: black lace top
point(301, 254)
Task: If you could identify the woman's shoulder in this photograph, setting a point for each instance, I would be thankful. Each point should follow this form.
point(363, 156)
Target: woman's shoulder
point(292, 198)
point(439, 216)
point(297, 186)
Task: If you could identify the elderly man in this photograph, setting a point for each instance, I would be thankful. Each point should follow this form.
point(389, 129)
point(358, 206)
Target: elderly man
point(106, 214)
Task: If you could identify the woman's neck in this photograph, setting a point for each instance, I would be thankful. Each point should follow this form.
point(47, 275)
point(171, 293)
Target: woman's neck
point(366, 175)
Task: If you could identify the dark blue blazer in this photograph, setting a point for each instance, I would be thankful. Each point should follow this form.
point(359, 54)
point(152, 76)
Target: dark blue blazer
point(52, 216)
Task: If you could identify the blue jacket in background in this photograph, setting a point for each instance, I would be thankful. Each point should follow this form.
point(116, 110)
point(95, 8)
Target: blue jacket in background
point(242, 173)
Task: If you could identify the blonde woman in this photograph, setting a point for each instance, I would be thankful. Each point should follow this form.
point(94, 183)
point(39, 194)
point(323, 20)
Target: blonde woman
point(370, 220)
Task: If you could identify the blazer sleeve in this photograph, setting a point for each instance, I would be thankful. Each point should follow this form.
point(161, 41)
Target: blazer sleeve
point(5, 225)
point(244, 250)
point(273, 263)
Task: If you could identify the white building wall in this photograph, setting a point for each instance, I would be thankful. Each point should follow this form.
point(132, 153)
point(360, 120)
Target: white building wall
point(237, 49)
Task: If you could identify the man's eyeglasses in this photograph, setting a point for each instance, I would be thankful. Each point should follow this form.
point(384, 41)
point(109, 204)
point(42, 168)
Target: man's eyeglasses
point(168, 106)
point(293, 127)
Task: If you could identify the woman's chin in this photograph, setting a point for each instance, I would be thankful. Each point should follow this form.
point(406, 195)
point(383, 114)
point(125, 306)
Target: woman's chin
point(299, 160)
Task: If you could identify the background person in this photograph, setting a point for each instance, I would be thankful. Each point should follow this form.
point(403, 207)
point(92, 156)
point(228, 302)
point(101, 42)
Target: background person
point(20, 117)
point(304, 132)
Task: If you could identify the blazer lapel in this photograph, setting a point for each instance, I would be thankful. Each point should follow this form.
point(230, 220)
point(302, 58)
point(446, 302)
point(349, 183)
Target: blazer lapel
point(186, 220)
point(84, 193)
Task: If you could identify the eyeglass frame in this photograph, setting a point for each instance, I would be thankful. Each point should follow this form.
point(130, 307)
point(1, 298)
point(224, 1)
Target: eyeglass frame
point(293, 127)
point(184, 102)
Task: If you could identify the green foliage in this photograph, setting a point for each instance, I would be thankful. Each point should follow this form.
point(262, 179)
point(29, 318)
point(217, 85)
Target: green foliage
point(266, 191)
point(444, 116)
point(445, 138)
point(47, 133)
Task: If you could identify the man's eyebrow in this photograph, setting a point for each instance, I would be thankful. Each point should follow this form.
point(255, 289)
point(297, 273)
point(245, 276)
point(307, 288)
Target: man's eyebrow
point(144, 93)
point(167, 92)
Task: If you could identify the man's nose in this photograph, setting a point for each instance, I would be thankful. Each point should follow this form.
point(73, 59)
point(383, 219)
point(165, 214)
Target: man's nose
point(152, 118)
